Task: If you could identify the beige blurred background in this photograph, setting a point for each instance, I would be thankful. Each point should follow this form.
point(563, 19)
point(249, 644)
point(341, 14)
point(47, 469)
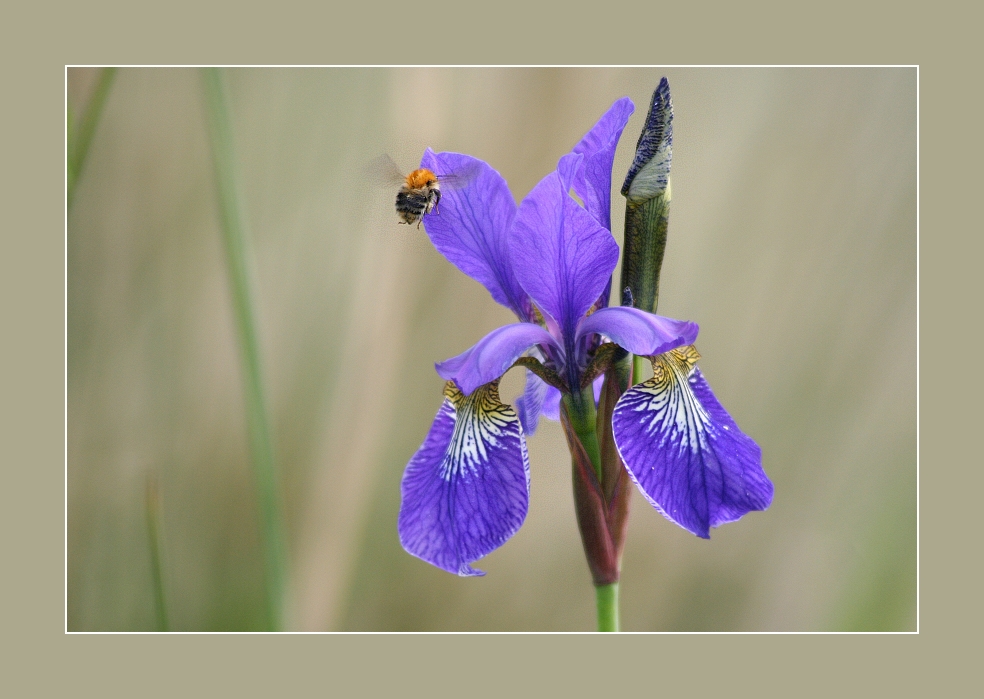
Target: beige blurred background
point(792, 242)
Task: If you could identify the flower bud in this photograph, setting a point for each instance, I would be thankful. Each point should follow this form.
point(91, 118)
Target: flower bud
point(647, 208)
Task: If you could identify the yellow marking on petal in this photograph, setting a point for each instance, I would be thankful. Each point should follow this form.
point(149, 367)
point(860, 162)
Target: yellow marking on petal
point(485, 397)
point(659, 373)
point(688, 356)
point(453, 393)
point(682, 360)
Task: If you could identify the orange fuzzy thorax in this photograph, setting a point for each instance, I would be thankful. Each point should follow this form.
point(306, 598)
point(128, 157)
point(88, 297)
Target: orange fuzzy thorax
point(418, 179)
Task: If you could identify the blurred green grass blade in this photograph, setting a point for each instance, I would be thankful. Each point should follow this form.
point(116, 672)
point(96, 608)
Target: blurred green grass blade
point(235, 239)
point(152, 510)
point(80, 137)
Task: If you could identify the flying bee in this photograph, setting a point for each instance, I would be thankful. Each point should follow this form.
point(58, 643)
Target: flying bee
point(419, 195)
point(420, 191)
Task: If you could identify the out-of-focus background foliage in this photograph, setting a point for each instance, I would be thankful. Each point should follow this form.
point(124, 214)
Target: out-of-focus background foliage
point(792, 242)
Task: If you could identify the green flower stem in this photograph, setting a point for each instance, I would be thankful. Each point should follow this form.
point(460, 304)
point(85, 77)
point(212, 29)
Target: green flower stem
point(152, 509)
point(607, 599)
point(261, 448)
point(583, 416)
point(80, 136)
point(582, 411)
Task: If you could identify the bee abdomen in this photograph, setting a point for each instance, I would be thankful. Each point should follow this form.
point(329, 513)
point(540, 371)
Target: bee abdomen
point(411, 204)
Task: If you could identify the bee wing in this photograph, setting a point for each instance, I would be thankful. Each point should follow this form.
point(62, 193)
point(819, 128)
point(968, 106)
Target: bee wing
point(384, 172)
point(460, 178)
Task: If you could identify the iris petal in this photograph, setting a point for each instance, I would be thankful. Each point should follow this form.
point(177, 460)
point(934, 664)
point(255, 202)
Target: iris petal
point(684, 451)
point(530, 403)
point(493, 355)
point(593, 182)
point(471, 223)
point(637, 331)
point(562, 256)
point(466, 490)
point(551, 404)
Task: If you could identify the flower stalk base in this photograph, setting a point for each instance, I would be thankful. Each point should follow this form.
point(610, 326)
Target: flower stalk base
point(607, 600)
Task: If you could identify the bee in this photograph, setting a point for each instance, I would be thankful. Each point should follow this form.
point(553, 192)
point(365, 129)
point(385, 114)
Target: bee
point(419, 195)
point(420, 191)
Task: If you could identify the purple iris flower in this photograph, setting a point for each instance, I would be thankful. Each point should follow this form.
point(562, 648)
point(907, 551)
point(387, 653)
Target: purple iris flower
point(465, 492)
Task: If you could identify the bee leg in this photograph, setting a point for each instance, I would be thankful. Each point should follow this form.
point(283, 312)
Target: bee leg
point(437, 200)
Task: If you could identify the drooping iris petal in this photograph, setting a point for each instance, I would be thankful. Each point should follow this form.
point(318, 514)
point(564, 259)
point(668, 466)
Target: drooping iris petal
point(638, 331)
point(471, 223)
point(466, 490)
point(684, 451)
point(529, 404)
point(563, 258)
point(492, 356)
point(593, 181)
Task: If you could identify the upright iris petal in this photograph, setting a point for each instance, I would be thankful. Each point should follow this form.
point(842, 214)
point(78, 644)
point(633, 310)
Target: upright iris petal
point(684, 451)
point(471, 225)
point(466, 490)
point(593, 180)
point(562, 256)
